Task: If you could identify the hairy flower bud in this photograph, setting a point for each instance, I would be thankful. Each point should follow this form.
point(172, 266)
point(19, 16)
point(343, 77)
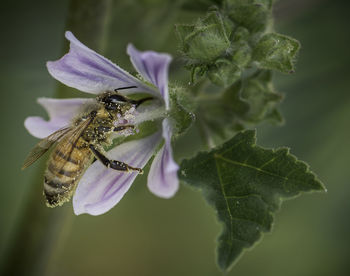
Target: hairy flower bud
point(206, 40)
point(277, 52)
point(252, 14)
point(182, 108)
point(224, 72)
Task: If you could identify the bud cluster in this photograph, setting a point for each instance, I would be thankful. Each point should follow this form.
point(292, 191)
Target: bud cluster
point(231, 51)
point(233, 37)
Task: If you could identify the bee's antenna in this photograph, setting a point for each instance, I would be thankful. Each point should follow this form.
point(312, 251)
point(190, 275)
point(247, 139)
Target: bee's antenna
point(135, 102)
point(126, 87)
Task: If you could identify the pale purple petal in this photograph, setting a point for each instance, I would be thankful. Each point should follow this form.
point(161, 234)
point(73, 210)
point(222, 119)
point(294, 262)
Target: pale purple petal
point(153, 67)
point(102, 188)
point(84, 69)
point(61, 112)
point(162, 177)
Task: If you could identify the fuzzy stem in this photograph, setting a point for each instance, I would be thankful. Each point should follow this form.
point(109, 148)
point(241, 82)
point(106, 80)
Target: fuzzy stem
point(40, 231)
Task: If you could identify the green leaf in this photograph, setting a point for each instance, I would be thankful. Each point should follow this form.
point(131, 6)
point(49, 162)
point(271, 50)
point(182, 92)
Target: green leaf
point(277, 52)
point(246, 184)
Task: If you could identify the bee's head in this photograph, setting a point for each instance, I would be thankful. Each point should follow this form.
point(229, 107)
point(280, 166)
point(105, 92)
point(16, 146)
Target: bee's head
point(112, 101)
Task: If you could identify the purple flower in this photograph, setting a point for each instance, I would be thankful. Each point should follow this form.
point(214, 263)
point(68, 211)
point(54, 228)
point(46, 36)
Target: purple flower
point(101, 188)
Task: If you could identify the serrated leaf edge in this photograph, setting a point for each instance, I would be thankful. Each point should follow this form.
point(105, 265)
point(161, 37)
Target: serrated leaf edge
point(252, 139)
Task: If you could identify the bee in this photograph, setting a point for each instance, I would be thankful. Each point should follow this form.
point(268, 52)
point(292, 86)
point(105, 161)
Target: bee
point(77, 145)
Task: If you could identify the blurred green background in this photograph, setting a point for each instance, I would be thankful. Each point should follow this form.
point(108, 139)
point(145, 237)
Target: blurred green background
point(145, 235)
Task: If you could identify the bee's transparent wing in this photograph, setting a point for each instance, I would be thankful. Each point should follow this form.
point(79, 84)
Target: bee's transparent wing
point(44, 145)
point(68, 142)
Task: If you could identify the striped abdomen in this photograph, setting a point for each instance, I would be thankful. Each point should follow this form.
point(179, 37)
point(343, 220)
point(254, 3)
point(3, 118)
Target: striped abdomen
point(65, 166)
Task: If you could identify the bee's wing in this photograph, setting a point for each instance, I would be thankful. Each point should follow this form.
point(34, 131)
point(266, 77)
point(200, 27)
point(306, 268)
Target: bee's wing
point(72, 138)
point(44, 145)
point(72, 133)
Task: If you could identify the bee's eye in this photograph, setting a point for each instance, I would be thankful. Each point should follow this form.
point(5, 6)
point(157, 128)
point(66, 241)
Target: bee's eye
point(114, 99)
point(120, 98)
point(111, 102)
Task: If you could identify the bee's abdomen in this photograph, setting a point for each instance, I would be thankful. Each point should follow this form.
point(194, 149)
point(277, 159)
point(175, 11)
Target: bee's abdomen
point(63, 173)
point(56, 192)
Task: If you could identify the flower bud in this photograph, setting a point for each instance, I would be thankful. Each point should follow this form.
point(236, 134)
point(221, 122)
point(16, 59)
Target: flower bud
point(206, 40)
point(224, 72)
point(277, 52)
point(181, 109)
point(262, 98)
point(252, 14)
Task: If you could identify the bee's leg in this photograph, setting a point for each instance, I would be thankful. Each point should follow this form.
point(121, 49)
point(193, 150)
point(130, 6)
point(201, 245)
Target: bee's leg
point(120, 128)
point(113, 164)
point(116, 129)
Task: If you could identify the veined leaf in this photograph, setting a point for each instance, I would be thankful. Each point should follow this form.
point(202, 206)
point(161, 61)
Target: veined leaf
point(246, 184)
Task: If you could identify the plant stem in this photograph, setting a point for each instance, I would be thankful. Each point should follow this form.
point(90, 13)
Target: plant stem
point(39, 230)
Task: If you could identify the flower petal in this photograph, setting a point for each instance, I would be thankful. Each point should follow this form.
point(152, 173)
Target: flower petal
point(102, 188)
point(84, 69)
point(61, 112)
point(153, 67)
point(162, 177)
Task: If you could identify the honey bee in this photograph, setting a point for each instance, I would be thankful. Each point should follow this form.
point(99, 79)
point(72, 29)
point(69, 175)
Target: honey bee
point(79, 143)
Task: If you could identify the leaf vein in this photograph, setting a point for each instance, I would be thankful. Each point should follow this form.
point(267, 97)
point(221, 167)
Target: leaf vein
point(232, 147)
point(268, 162)
point(227, 205)
point(250, 166)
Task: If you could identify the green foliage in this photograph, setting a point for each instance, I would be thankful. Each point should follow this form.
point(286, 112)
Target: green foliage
point(259, 92)
point(224, 72)
point(252, 14)
point(246, 184)
point(231, 38)
point(181, 109)
point(224, 115)
point(204, 41)
point(277, 52)
point(230, 46)
point(244, 104)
